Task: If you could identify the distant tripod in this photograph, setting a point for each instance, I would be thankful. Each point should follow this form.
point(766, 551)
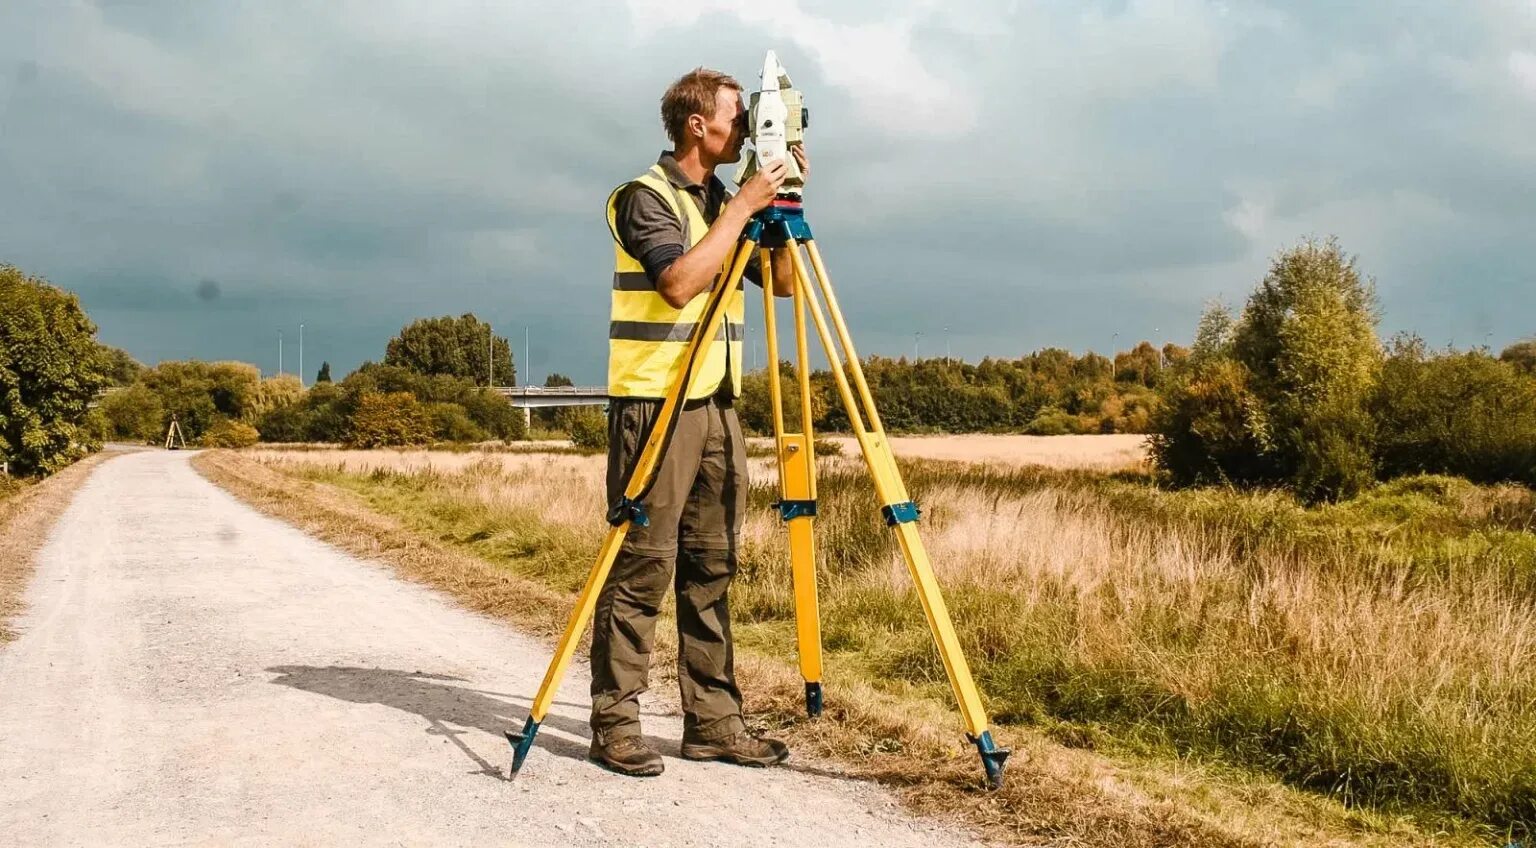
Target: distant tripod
point(174, 440)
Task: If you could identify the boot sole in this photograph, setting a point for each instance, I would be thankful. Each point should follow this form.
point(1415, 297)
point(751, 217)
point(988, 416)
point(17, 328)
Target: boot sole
point(703, 753)
point(629, 771)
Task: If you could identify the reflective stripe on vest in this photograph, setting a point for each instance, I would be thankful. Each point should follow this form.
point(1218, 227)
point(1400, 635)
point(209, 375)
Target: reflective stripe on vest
point(647, 337)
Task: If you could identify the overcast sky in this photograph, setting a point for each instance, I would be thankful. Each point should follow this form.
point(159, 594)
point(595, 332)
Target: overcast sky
point(1026, 174)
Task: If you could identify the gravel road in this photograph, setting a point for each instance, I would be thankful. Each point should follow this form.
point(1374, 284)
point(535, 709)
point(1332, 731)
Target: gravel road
point(192, 672)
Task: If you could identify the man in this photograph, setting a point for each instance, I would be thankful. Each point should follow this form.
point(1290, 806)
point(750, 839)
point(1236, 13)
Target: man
point(674, 232)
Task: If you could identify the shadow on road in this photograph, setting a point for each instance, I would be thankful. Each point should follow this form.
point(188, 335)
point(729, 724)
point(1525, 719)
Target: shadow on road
point(436, 699)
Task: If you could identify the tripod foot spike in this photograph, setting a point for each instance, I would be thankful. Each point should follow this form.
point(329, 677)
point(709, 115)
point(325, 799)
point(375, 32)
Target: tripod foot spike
point(992, 758)
point(813, 700)
point(522, 742)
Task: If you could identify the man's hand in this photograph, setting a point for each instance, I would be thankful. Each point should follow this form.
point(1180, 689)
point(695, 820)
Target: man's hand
point(760, 191)
point(803, 159)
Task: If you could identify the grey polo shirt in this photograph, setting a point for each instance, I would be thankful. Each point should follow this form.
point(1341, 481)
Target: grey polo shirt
point(649, 231)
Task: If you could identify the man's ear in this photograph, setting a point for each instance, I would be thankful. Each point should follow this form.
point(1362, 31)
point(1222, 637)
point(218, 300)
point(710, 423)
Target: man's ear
point(696, 126)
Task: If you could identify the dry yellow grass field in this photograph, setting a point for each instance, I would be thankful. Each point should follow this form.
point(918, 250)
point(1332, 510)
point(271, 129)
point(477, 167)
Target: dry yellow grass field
point(1054, 588)
point(1111, 452)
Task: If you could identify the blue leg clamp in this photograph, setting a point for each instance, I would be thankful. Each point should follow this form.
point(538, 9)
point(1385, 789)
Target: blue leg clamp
point(521, 744)
point(628, 510)
point(789, 510)
point(813, 699)
point(900, 513)
point(992, 758)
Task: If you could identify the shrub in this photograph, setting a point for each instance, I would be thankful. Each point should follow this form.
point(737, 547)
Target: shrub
point(226, 433)
point(451, 424)
point(389, 419)
point(587, 426)
point(134, 414)
point(495, 415)
point(1209, 428)
point(1457, 413)
point(1281, 396)
point(1051, 421)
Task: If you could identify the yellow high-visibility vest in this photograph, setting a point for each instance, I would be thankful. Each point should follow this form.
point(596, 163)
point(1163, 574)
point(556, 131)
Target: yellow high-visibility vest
point(647, 337)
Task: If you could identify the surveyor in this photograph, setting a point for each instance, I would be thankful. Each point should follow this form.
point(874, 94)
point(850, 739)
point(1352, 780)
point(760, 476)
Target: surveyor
point(674, 229)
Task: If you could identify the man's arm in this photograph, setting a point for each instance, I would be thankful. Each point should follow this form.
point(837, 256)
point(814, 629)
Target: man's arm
point(696, 269)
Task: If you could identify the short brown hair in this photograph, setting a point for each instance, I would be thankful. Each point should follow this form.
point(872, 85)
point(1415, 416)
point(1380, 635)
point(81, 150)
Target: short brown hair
point(693, 94)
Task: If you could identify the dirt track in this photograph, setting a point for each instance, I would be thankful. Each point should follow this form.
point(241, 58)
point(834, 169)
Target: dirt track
point(190, 671)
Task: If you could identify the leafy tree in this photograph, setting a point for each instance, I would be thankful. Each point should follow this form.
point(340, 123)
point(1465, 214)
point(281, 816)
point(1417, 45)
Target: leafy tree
point(1308, 337)
point(195, 393)
point(1455, 413)
point(272, 393)
point(587, 426)
point(134, 413)
point(118, 367)
point(51, 367)
point(1142, 364)
point(325, 373)
point(1522, 355)
point(389, 419)
point(454, 347)
point(1281, 395)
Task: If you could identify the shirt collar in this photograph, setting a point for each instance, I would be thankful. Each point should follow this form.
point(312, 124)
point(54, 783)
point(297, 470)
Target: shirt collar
point(675, 175)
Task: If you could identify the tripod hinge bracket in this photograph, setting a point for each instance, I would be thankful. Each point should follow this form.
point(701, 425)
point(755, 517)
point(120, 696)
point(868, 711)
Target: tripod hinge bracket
point(900, 513)
point(789, 510)
point(775, 225)
point(628, 510)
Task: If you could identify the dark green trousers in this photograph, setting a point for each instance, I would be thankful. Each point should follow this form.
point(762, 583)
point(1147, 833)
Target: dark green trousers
point(695, 510)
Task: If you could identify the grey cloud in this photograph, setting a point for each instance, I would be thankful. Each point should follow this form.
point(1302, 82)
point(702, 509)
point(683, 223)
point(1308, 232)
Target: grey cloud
point(356, 165)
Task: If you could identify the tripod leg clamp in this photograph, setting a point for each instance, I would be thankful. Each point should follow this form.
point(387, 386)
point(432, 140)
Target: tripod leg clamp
point(522, 742)
point(900, 513)
point(628, 510)
point(992, 758)
point(789, 510)
point(813, 702)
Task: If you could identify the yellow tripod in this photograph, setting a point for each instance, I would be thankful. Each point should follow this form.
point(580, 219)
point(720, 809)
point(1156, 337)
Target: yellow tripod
point(783, 225)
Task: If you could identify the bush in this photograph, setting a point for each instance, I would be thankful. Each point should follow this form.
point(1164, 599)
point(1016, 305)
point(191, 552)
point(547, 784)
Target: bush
point(1457, 413)
point(587, 425)
point(1281, 396)
point(134, 414)
point(226, 433)
point(389, 419)
point(451, 424)
point(1051, 421)
point(495, 415)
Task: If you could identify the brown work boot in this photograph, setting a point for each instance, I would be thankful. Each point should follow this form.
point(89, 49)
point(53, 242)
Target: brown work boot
point(627, 754)
point(741, 748)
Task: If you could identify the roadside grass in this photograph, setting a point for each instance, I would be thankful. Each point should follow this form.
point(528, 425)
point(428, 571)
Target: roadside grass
point(1378, 652)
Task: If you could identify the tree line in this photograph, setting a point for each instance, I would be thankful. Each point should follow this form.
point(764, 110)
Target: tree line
point(1297, 392)
point(429, 388)
point(1050, 392)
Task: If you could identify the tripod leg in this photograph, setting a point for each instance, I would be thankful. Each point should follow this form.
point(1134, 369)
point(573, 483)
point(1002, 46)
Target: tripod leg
point(900, 512)
point(628, 511)
point(797, 498)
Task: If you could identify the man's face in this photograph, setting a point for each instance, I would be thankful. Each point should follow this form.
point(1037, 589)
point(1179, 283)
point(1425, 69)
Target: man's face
point(727, 130)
